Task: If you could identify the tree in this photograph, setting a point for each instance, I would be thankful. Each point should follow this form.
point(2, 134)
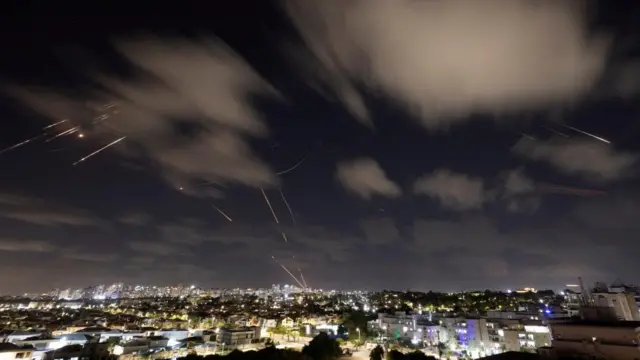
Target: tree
point(395, 355)
point(377, 353)
point(322, 347)
point(419, 355)
point(342, 330)
point(112, 342)
point(442, 347)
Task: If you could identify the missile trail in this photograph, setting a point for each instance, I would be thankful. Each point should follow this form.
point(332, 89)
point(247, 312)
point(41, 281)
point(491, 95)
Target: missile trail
point(222, 213)
point(55, 124)
point(293, 167)
point(66, 132)
point(99, 150)
point(293, 218)
point(302, 278)
point(556, 132)
point(287, 270)
point(270, 207)
point(25, 142)
point(588, 134)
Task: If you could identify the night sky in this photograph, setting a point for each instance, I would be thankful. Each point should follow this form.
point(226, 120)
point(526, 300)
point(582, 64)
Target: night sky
point(435, 144)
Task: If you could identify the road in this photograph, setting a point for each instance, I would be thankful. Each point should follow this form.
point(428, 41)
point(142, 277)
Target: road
point(361, 354)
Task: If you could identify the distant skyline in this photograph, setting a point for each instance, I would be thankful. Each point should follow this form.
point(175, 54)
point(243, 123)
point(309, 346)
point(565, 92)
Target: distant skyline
point(109, 288)
point(400, 145)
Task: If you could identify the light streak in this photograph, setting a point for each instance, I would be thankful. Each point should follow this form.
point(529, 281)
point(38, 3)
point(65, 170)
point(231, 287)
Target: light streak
point(293, 167)
point(287, 270)
point(270, 207)
point(66, 132)
point(586, 133)
point(22, 143)
point(557, 132)
point(99, 150)
point(55, 124)
point(100, 118)
point(302, 278)
point(293, 218)
point(222, 212)
point(284, 236)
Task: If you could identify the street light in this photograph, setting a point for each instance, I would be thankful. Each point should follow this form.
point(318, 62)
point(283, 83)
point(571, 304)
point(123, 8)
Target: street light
point(358, 330)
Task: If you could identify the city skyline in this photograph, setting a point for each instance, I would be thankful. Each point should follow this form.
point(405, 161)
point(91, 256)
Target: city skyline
point(116, 290)
point(421, 145)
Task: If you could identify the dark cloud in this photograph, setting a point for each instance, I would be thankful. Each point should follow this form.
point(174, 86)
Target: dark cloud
point(157, 248)
point(365, 178)
point(380, 231)
point(20, 245)
point(453, 190)
point(135, 219)
point(40, 212)
point(91, 257)
point(591, 159)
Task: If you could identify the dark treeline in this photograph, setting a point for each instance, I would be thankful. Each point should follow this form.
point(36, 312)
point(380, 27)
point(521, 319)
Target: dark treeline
point(321, 347)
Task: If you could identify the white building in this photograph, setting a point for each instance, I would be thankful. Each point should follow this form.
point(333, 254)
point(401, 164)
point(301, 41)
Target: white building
point(470, 335)
point(623, 304)
point(141, 345)
point(174, 335)
point(514, 335)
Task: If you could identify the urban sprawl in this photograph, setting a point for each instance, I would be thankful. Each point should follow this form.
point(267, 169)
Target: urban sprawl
point(152, 322)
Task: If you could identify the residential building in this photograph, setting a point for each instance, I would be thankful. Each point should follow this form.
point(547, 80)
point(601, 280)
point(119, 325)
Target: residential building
point(17, 335)
point(9, 351)
point(623, 304)
point(240, 336)
point(596, 339)
point(517, 335)
point(141, 345)
point(288, 322)
point(467, 334)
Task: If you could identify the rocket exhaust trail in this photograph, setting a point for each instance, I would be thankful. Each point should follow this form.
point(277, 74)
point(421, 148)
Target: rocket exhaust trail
point(293, 167)
point(287, 270)
point(66, 132)
point(588, 134)
point(302, 278)
point(222, 212)
point(99, 150)
point(270, 207)
point(55, 124)
point(25, 142)
point(293, 218)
